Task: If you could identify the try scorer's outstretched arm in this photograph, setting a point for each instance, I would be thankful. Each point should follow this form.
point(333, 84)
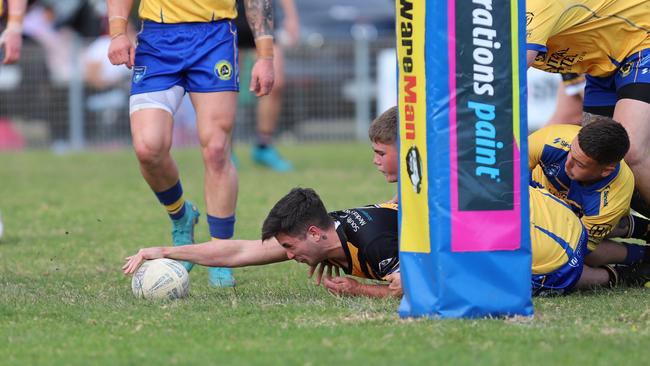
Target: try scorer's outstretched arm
point(221, 253)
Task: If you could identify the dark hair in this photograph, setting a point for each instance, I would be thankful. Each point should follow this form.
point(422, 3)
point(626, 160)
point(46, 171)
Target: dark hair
point(384, 128)
point(294, 213)
point(604, 140)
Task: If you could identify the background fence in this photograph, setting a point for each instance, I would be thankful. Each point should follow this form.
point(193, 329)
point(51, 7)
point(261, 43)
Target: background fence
point(49, 101)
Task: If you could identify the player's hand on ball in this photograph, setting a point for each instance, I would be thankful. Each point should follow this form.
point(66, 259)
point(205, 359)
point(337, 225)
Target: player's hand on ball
point(394, 284)
point(321, 268)
point(134, 261)
point(262, 77)
point(341, 286)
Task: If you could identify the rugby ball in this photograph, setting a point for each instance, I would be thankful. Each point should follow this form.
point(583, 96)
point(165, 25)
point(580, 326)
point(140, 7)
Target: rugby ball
point(161, 279)
point(1, 228)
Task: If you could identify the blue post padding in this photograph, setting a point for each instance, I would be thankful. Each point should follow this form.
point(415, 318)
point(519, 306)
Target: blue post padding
point(452, 284)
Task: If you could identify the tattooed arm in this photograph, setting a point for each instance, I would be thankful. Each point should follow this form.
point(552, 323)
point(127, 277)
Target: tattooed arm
point(259, 14)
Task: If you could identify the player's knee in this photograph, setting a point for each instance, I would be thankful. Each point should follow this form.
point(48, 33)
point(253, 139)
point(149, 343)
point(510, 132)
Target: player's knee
point(149, 155)
point(216, 155)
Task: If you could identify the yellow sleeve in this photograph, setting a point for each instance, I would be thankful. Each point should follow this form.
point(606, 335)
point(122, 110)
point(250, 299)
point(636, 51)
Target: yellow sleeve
point(541, 18)
point(536, 142)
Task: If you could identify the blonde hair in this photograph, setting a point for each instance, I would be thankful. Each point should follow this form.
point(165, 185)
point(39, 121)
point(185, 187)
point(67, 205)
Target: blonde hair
point(384, 128)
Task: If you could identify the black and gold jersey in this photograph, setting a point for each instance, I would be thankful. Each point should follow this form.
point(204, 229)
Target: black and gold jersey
point(369, 238)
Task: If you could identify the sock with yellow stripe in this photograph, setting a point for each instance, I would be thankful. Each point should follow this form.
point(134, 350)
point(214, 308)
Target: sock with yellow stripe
point(173, 201)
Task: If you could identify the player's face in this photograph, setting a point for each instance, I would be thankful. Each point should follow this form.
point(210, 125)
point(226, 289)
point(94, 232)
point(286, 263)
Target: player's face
point(581, 168)
point(302, 249)
point(385, 159)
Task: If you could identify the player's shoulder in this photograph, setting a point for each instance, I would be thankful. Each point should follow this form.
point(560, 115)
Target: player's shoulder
point(387, 205)
point(623, 184)
point(557, 135)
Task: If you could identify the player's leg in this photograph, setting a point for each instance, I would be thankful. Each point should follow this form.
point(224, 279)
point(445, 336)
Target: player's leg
point(637, 274)
point(151, 131)
point(611, 252)
point(635, 116)
point(156, 92)
point(215, 114)
point(268, 114)
point(595, 277)
point(632, 82)
point(212, 79)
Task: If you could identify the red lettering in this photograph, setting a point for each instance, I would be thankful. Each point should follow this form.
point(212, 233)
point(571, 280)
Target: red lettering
point(410, 131)
point(409, 113)
point(409, 84)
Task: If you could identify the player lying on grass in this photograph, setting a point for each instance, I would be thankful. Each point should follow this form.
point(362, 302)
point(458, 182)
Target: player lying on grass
point(361, 241)
point(584, 168)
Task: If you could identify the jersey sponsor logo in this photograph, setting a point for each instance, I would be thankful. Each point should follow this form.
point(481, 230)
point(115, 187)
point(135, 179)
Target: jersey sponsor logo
point(552, 170)
point(626, 69)
point(223, 70)
point(562, 60)
point(575, 261)
point(138, 73)
point(387, 264)
point(355, 219)
point(559, 141)
point(600, 230)
point(414, 168)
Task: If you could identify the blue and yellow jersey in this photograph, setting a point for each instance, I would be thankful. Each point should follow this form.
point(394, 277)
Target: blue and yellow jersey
point(555, 232)
point(599, 205)
point(586, 36)
point(369, 238)
point(170, 11)
point(1, 7)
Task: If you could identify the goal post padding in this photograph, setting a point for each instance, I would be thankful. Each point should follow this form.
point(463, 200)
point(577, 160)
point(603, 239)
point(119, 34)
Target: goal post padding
point(463, 185)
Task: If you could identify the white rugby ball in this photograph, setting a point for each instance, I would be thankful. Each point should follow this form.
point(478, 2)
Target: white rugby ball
point(161, 279)
point(1, 228)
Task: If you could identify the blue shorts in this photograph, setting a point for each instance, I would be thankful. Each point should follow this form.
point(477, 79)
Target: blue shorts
point(200, 57)
point(563, 279)
point(606, 91)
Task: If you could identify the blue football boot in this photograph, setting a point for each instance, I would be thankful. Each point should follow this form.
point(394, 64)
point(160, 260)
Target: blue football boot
point(183, 229)
point(270, 158)
point(220, 277)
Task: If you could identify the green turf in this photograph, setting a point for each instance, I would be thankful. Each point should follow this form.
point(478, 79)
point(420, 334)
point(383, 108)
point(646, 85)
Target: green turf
point(70, 220)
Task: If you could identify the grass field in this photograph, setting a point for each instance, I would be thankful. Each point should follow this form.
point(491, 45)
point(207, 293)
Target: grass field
point(70, 220)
